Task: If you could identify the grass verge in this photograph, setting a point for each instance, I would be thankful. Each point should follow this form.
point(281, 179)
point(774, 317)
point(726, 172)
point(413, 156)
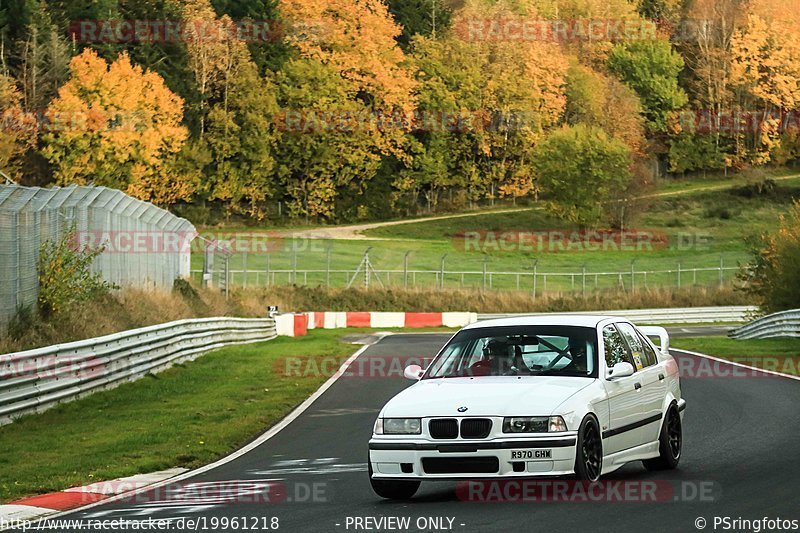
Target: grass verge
point(780, 354)
point(333, 299)
point(186, 416)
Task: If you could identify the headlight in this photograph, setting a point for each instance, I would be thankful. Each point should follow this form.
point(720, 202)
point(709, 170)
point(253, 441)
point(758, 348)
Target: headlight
point(398, 426)
point(534, 424)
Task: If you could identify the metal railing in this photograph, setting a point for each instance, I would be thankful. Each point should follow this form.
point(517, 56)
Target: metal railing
point(678, 315)
point(782, 324)
point(36, 380)
point(535, 282)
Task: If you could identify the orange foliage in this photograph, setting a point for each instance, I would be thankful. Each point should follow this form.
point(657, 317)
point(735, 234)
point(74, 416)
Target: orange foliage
point(357, 38)
point(117, 125)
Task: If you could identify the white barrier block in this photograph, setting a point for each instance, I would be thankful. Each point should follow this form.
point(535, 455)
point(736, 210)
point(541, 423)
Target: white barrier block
point(458, 319)
point(387, 319)
point(284, 325)
point(334, 319)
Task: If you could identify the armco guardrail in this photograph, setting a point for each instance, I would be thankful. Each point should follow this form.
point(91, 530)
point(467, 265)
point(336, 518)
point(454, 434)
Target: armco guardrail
point(678, 315)
point(35, 380)
point(782, 324)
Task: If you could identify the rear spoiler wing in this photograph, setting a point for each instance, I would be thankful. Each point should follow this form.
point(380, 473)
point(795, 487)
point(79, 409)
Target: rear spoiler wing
point(661, 333)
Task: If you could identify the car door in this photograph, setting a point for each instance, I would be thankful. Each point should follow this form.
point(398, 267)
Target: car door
point(623, 396)
point(651, 378)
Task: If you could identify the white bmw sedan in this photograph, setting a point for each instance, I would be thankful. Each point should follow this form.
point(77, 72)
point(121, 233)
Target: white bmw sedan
point(532, 396)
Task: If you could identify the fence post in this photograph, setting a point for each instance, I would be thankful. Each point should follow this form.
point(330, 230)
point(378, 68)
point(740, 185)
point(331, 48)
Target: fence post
point(484, 274)
point(207, 259)
point(227, 277)
point(441, 270)
point(720, 270)
point(294, 264)
point(328, 265)
point(633, 276)
point(244, 267)
point(269, 256)
point(583, 280)
point(535, 262)
point(679, 274)
point(405, 269)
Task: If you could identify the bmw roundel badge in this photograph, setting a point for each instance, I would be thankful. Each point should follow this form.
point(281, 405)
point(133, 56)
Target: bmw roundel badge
point(462, 409)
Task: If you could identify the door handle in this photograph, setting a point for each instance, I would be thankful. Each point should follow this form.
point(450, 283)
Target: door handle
point(637, 386)
point(661, 377)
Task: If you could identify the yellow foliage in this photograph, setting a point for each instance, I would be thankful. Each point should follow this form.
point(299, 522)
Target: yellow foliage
point(17, 128)
point(117, 125)
point(357, 39)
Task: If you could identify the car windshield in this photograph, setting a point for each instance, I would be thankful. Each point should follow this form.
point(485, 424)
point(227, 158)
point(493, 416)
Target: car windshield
point(518, 351)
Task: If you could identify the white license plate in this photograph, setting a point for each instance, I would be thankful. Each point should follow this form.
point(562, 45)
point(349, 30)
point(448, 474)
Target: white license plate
point(531, 454)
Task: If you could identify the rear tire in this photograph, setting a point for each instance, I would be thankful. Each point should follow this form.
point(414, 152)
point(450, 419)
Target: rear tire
point(391, 489)
point(670, 442)
point(589, 454)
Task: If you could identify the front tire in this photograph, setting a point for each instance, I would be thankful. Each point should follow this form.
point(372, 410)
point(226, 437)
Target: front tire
point(392, 489)
point(589, 454)
point(670, 442)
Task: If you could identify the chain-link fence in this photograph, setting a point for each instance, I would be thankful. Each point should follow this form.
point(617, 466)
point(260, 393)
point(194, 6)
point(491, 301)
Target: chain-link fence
point(144, 245)
point(320, 269)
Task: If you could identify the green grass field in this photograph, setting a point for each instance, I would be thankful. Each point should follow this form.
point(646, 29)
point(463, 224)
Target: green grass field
point(778, 354)
point(700, 229)
point(186, 416)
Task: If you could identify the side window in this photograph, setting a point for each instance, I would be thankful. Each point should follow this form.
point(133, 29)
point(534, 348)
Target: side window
point(649, 353)
point(635, 344)
point(615, 348)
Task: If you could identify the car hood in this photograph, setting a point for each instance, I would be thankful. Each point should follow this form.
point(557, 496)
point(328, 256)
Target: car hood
point(485, 396)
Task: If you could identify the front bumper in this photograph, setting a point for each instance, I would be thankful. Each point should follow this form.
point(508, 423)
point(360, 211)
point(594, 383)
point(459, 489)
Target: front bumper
point(518, 457)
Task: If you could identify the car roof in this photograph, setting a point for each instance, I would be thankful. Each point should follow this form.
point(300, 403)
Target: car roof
point(563, 319)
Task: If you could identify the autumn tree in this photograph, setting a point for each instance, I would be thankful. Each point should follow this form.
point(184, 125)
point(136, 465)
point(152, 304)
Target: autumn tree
point(236, 108)
point(117, 125)
point(498, 119)
point(580, 168)
point(765, 74)
point(357, 73)
point(328, 143)
point(704, 39)
point(651, 69)
point(18, 129)
point(595, 99)
point(262, 29)
point(43, 57)
point(357, 39)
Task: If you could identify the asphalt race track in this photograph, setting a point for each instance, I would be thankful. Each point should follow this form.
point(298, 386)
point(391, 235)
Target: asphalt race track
point(739, 460)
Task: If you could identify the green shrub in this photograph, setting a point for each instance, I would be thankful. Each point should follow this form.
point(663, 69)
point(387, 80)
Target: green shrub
point(65, 275)
point(23, 321)
point(773, 276)
point(183, 288)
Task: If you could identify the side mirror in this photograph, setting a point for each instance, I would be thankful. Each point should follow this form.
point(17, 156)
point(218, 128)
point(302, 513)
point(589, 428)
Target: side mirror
point(414, 372)
point(620, 370)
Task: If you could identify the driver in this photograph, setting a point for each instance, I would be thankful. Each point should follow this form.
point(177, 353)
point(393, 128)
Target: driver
point(503, 358)
point(577, 352)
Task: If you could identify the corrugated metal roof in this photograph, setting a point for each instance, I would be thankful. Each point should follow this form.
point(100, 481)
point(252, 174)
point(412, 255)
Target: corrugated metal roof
point(16, 198)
